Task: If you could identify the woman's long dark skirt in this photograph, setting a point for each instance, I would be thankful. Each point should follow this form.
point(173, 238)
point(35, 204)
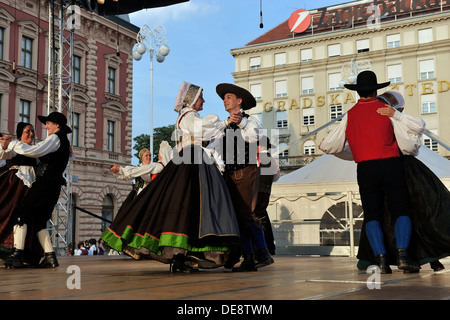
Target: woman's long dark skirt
point(186, 208)
point(12, 193)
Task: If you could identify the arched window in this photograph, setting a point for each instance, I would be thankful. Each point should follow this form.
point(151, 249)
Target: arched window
point(309, 148)
point(335, 227)
point(107, 211)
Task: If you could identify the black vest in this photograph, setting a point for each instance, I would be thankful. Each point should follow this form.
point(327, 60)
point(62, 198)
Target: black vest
point(52, 166)
point(238, 153)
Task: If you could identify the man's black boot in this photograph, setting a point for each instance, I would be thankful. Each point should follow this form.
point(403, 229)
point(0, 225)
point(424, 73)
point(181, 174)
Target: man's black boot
point(49, 261)
point(15, 260)
point(382, 263)
point(263, 258)
point(248, 264)
point(404, 262)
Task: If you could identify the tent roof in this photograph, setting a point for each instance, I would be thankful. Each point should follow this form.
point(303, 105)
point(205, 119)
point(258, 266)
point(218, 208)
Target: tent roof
point(329, 168)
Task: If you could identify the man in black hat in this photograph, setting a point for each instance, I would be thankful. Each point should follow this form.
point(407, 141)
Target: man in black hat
point(379, 170)
point(241, 175)
point(37, 207)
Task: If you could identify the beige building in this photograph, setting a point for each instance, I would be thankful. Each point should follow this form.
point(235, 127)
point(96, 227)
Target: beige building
point(297, 77)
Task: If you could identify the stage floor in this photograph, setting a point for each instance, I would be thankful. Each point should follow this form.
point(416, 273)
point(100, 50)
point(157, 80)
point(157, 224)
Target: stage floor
point(290, 278)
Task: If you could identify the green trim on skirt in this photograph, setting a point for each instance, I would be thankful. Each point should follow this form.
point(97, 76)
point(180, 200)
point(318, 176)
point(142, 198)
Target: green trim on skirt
point(169, 239)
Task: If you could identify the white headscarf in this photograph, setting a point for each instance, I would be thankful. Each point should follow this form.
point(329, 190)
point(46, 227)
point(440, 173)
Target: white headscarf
point(393, 98)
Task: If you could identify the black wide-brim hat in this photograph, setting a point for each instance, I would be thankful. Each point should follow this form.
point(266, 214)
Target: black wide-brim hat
point(56, 117)
point(366, 81)
point(248, 101)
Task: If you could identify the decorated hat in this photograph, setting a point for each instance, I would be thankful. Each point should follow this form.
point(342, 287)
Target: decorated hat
point(187, 95)
point(58, 118)
point(392, 98)
point(366, 81)
point(248, 101)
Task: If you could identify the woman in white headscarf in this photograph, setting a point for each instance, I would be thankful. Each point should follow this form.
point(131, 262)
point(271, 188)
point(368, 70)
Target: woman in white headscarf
point(185, 216)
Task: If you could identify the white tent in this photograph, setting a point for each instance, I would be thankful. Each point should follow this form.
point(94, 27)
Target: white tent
point(331, 169)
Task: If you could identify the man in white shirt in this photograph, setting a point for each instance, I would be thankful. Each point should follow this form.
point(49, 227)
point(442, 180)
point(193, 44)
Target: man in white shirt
point(242, 132)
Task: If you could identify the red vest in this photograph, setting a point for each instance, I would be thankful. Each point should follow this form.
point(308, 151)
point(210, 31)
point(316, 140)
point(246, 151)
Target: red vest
point(369, 134)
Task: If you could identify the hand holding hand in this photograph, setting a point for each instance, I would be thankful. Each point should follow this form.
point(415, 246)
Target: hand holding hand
point(235, 117)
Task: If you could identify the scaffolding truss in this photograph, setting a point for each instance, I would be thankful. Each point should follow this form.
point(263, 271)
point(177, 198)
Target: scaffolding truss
point(59, 98)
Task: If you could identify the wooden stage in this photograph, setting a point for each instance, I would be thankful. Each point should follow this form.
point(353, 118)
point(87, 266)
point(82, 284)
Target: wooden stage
point(290, 278)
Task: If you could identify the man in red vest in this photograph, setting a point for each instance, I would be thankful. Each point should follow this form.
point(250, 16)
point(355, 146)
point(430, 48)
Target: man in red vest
point(379, 170)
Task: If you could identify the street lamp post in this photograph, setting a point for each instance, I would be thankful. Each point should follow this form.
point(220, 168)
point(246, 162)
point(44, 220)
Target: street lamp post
point(151, 40)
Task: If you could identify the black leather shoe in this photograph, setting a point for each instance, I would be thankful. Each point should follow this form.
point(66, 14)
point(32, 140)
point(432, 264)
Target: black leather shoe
point(381, 262)
point(248, 264)
point(263, 258)
point(49, 261)
point(15, 260)
point(436, 266)
point(404, 262)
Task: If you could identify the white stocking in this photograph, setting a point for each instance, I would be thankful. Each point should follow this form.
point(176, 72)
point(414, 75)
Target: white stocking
point(44, 240)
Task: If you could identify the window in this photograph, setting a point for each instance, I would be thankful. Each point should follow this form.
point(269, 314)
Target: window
point(24, 111)
point(27, 52)
point(255, 90)
point(334, 50)
point(426, 68)
point(280, 59)
point(308, 116)
point(77, 69)
point(362, 45)
point(282, 119)
point(395, 73)
point(307, 85)
point(306, 55)
point(335, 111)
point(110, 136)
point(426, 35)
point(428, 103)
point(333, 81)
point(2, 41)
point(75, 129)
point(280, 89)
point(309, 148)
point(431, 143)
point(285, 153)
point(111, 80)
point(255, 63)
point(393, 41)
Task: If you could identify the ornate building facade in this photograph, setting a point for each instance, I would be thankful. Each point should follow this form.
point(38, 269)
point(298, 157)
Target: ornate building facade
point(102, 100)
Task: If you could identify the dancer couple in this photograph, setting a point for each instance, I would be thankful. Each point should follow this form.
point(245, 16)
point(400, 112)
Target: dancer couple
point(406, 207)
point(28, 210)
point(191, 216)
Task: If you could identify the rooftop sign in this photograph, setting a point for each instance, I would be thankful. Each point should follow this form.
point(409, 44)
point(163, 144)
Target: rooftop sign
point(361, 11)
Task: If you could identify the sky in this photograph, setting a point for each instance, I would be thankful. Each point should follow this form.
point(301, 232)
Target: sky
point(200, 35)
